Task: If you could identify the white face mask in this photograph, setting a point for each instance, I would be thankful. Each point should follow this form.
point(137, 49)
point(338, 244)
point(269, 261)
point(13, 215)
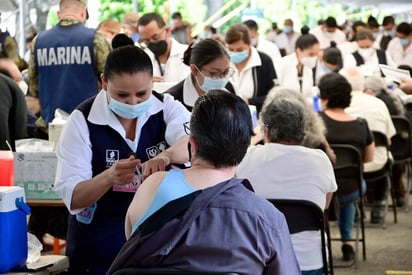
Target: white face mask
point(253, 41)
point(309, 61)
point(23, 86)
point(366, 53)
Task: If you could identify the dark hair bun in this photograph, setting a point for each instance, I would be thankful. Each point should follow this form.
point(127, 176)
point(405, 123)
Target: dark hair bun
point(120, 40)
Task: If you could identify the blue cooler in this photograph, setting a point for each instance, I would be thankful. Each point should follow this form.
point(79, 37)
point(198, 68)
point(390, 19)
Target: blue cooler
point(13, 228)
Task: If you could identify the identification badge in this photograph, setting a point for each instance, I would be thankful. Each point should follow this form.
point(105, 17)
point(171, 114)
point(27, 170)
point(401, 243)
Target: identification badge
point(131, 187)
point(86, 215)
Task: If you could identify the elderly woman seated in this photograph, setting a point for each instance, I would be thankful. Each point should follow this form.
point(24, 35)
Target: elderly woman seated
point(283, 168)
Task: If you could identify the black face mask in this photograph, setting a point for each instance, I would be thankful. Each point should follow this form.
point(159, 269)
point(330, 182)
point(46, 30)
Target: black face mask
point(158, 48)
point(189, 148)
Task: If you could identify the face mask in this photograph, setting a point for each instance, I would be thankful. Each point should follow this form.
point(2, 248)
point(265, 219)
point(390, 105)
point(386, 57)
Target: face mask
point(158, 48)
point(213, 83)
point(389, 33)
point(189, 148)
point(23, 86)
point(325, 68)
point(309, 61)
point(404, 41)
point(287, 29)
point(128, 111)
point(365, 53)
point(253, 41)
point(135, 37)
point(238, 57)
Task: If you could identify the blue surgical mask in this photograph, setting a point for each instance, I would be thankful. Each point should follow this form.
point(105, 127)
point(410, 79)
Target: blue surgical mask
point(404, 41)
point(128, 111)
point(325, 68)
point(389, 33)
point(135, 37)
point(213, 83)
point(238, 57)
point(287, 29)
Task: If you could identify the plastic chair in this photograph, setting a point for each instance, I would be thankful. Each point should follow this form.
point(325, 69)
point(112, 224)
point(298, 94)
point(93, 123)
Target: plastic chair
point(384, 173)
point(401, 149)
point(408, 107)
point(348, 173)
point(303, 215)
point(164, 270)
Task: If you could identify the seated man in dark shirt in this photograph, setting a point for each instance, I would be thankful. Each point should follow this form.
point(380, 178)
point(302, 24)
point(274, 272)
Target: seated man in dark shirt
point(226, 226)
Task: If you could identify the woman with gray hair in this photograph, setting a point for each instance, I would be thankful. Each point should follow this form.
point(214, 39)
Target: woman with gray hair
point(301, 172)
point(376, 86)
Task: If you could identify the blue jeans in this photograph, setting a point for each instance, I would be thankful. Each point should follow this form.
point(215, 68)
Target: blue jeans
point(347, 213)
point(313, 272)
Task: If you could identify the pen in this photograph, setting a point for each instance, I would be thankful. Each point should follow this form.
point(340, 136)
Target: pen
point(139, 174)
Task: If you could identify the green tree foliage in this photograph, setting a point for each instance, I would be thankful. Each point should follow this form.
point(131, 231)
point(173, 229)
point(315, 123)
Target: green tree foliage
point(191, 10)
point(303, 12)
point(114, 9)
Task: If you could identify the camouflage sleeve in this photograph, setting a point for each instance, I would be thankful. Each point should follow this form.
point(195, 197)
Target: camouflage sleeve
point(33, 74)
point(11, 51)
point(101, 49)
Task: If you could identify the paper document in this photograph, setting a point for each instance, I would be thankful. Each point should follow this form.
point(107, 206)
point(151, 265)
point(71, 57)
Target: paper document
point(394, 74)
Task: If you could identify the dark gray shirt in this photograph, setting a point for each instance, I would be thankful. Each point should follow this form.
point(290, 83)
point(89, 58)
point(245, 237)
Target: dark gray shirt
point(226, 229)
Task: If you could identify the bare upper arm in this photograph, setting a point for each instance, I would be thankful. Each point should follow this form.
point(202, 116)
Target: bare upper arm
point(369, 152)
point(328, 199)
point(142, 200)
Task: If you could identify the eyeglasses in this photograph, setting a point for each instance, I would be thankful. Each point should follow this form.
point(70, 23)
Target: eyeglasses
point(154, 39)
point(217, 75)
point(186, 127)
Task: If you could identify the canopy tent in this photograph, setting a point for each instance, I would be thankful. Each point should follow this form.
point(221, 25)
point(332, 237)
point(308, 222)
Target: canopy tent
point(11, 5)
point(394, 6)
point(389, 6)
point(8, 5)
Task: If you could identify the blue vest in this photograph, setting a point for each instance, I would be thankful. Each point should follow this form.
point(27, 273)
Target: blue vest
point(66, 66)
point(94, 246)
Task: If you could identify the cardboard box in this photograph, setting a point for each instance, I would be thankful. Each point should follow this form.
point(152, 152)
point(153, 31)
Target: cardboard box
point(35, 172)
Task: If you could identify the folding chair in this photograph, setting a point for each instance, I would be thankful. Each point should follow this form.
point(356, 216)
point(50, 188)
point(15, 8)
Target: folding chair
point(384, 173)
point(303, 215)
point(401, 149)
point(408, 106)
point(164, 270)
point(348, 173)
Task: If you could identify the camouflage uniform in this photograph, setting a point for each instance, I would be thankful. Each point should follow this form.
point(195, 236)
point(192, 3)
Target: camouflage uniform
point(101, 49)
point(9, 49)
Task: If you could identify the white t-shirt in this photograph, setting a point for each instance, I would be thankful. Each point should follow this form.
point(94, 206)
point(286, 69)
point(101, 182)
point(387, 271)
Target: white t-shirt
point(271, 50)
point(379, 119)
point(398, 54)
point(280, 171)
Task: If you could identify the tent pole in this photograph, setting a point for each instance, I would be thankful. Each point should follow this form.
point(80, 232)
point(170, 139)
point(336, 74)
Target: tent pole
point(22, 32)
